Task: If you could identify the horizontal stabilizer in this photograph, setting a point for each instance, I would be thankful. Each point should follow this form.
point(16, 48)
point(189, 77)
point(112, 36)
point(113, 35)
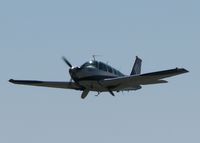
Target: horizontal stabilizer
point(143, 79)
point(165, 73)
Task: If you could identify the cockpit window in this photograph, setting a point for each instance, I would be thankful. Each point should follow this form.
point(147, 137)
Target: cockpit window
point(102, 66)
point(90, 64)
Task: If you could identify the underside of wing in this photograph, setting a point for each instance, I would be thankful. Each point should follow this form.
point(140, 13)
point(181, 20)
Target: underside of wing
point(63, 85)
point(142, 79)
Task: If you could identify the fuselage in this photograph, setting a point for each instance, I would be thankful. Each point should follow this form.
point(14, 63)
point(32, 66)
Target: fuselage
point(91, 73)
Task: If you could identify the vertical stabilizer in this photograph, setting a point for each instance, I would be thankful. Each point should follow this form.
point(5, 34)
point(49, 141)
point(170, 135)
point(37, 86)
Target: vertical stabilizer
point(137, 66)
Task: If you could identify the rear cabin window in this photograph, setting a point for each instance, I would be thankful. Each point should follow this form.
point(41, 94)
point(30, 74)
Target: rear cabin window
point(118, 73)
point(109, 69)
point(115, 72)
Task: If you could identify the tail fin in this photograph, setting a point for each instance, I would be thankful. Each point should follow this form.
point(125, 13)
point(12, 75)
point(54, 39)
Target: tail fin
point(137, 66)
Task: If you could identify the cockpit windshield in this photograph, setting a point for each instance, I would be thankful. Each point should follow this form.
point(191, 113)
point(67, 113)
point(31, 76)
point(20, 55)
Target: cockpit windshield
point(90, 64)
point(101, 66)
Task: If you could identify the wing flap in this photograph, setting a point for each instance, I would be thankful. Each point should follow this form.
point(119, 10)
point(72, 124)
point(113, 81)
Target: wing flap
point(52, 84)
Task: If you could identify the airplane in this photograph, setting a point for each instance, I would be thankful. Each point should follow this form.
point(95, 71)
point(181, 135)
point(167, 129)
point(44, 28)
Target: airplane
point(100, 77)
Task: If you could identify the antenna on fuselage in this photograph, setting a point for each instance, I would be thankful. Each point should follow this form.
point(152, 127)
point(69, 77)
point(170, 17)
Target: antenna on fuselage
point(94, 57)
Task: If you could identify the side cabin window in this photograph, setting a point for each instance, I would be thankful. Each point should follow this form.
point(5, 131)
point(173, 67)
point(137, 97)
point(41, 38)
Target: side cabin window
point(109, 69)
point(95, 64)
point(102, 66)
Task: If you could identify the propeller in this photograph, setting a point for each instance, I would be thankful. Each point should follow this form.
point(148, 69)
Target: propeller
point(67, 62)
point(73, 72)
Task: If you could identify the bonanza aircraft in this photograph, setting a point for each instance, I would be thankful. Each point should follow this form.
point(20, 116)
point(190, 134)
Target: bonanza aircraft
point(100, 77)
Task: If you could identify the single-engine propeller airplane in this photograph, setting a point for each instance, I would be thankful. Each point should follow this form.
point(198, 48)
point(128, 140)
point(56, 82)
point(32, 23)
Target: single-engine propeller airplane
point(100, 77)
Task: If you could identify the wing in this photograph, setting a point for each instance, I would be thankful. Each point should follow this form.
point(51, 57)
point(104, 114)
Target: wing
point(124, 82)
point(63, 85)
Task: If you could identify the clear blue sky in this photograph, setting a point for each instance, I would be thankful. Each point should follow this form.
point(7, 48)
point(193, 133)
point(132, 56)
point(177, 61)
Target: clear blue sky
point(34, 35)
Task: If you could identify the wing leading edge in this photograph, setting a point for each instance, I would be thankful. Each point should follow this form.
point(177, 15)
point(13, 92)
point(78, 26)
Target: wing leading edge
point(64, 85)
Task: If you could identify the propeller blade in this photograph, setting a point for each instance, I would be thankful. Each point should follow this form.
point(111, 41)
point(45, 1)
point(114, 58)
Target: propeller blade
point(67, 62)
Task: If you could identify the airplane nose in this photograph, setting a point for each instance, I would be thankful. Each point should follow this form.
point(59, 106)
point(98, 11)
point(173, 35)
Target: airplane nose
point(73, 71)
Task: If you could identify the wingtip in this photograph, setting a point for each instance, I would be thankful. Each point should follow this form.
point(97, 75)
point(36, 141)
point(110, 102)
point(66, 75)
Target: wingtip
point(183, 70)
point(186, 70)
point(11, 80)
